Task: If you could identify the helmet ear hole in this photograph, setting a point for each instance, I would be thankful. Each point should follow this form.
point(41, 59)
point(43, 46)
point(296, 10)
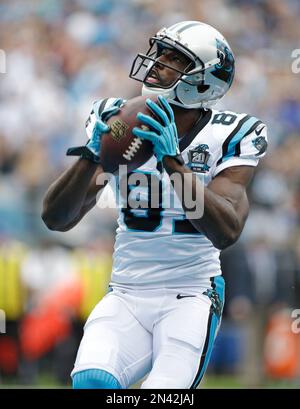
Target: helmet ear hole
point(222, 58)
point(202, 88)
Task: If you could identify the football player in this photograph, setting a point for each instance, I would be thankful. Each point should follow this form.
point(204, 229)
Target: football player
point(165, 303)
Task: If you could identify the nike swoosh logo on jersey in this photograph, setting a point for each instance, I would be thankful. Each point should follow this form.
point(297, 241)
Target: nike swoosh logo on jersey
point(179, 296)
point(259, 132)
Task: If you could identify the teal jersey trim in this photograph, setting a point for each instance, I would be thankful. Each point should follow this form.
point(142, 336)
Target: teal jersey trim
point(218, 285)
point(238, 137)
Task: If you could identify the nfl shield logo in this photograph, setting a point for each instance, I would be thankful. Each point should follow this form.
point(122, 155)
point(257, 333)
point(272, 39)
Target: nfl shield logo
point(118, 130)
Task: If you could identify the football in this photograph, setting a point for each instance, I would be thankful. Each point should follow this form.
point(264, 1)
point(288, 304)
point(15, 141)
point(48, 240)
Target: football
point(120, 146)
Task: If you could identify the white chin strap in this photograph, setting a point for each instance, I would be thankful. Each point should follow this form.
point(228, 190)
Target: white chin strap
point(170, 95)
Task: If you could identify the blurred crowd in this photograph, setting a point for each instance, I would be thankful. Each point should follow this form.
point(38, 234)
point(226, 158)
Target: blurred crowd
point(61, 55)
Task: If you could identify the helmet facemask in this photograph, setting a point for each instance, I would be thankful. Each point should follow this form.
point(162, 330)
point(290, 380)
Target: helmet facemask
point(147, 65)
point(143, 64)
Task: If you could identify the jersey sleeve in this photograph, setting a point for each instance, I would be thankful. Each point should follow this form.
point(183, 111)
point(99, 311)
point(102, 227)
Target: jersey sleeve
point(244, 146)
point(98, 107)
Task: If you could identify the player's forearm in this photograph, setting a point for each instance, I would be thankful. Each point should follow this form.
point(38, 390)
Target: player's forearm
point(219, 222)
point(67, 196)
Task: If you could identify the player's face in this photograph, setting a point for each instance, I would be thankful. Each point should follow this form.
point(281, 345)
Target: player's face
point(162, 75)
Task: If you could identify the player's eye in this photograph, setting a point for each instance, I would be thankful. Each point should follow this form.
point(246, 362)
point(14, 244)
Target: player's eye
point(176, 58)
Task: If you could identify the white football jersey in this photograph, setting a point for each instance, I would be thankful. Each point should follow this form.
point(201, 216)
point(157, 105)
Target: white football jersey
point(159, 247)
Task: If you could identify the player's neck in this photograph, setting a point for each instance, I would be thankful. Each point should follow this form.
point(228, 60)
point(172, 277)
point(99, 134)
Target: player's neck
point(186, 119)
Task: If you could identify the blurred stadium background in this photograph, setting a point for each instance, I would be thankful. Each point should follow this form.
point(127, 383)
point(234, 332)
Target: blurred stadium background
point(63, 55)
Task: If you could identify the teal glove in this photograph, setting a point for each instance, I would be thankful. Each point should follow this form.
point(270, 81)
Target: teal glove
point(92, 149)
point(162, 132)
